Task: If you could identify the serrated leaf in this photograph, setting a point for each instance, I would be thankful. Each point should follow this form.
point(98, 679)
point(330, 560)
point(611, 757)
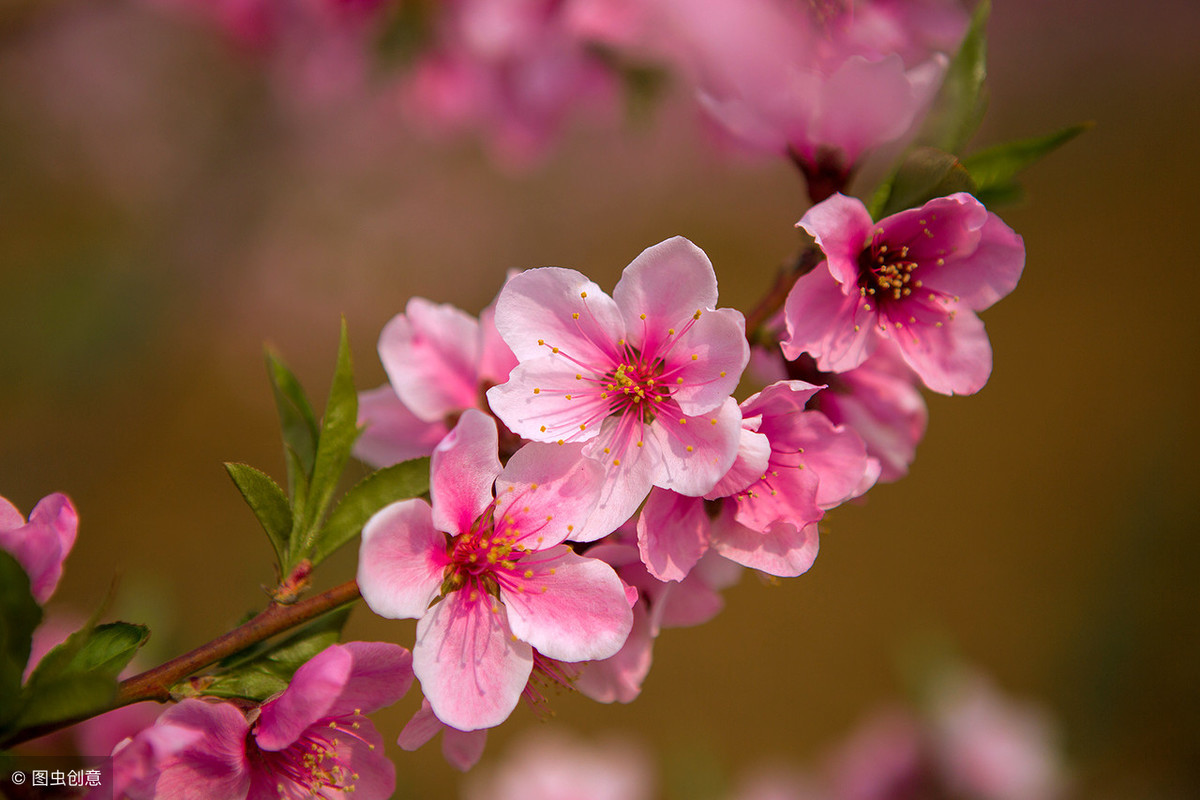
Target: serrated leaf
point(79, 676)
point(962, 100)
point(924, 174)
point(994, 169)
point(339, 429)
point(269, 504)
point(297, 422)
point(19, 615)
point(266, 671)
point(397, 482)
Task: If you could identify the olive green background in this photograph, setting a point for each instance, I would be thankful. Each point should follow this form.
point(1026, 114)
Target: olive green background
point(163, 214)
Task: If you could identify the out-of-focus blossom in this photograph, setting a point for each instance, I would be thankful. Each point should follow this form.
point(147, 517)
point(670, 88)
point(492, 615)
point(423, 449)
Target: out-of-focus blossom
point(989, 747)
point(514, 70)
point(884, 759)
point(488, 577)
point(461, 749)
point(310, 741)
point(822, 83)
point(439, 361)
point(40, 545)
point(642, 377)
point(915, 278)
point(549, 767)
point(793, 465)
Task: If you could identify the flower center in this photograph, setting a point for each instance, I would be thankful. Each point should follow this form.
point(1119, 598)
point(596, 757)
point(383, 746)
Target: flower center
point(634, 387)
point(886, 272)
point(317, 761)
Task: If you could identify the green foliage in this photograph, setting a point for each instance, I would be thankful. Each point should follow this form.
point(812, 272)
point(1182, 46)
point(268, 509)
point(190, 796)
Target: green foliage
point(268, 502)
point(408, 479)
point(924, 174)
point(298, 423)
point(19, 615)
point(265, 670)
point(961, 103)
point(79, 677)
point(994, 170)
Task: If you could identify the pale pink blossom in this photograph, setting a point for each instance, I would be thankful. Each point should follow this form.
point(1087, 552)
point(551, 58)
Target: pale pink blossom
point(642, 378)
point(514, 70)
point(793, 465)
point(822, 83)
point(990, 747)
point(554, 767)
point(883, 759)
point(40, 545)
point(487, 576)
point(439, 361)
point(915, 278)
point(461, 749)
point(310, 741)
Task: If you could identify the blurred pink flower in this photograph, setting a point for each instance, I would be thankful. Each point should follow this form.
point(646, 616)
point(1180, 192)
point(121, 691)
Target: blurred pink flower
point(487, 576)
point(461, 749)
point(312, 740)
point(40, 545)
point(642, 377)
point(554, 767)
point(915, 278)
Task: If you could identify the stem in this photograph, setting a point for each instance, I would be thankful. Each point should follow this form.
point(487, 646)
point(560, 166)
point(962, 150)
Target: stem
point(804, 262)
point(155, 684)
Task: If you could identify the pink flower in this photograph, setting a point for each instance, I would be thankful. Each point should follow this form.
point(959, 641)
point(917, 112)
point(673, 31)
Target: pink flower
point(822, 83)
point(793, 465)
point(643, 378)
point(310, 741)
point(439, 362)
point(992, 748)
point(40, 545)
point(914, 278)
point(548, 767)
point(487, 576)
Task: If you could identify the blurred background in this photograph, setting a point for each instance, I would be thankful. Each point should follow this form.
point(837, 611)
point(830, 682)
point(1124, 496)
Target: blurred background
point(165, 211)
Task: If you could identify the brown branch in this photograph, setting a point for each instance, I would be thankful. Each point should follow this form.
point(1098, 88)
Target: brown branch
point(155, 684)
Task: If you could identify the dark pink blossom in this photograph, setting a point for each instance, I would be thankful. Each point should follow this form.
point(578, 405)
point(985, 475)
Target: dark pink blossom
point(488, 577)
point(40, 545)
point(310, 741)
point(643, 378)
point(915, 278)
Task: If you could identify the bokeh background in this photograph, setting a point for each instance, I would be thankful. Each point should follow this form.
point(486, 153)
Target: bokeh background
point(164, 212)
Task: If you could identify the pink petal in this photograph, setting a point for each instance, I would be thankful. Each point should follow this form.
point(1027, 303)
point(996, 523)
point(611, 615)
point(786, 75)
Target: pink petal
point(782, 550)
point(401, 560)
point(842, 227)
point(392, 433)
point(41, 545)
point(619, 678)
point(982, 257)
point(307, 699)
point(423, 726)
point(709, 357)
point(540, 401)
point(833, 326)
point(667, 283)
point(10, 517)
point(464, 467)
point(698, 451)
point(625, 484)
point(672, 534)
point(865, 104)
point(496, 359)
point(214, 765)
point(431, 355)
point(535, 309)
point(955, 358)
point(571, 608)
point(461, 749)
point(471, 668)
point(547, 492)
point(754, 452)
point(694, 600)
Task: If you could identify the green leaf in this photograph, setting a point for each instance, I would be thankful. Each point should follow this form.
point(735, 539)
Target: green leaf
point(19, 615)
point(994, 170)
point(265, 670)
point(269, 504)
point(398, 482)
point(339, 429)
point(960, 104)
point(924, 174)
point(297, 422)
point(79, 677)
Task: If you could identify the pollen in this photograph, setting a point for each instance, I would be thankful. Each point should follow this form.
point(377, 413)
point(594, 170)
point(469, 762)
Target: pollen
point(643, 316)
point(683, 420)
point(616, 462)
point(696, 315)
point(560, 441)
point(583, 295)
point(679, 380)
point(713, 420)
point(537, 390)
point(528, 573)
point(695, 357)
point(570, 528)
point(583, 426)
point(553, 349)
point(575, 315)
point(640, 444)
point(541, 342)
point(568, 397)
point(722, 373)
point(543, 429)
point(670, 331)
point(690, 448)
